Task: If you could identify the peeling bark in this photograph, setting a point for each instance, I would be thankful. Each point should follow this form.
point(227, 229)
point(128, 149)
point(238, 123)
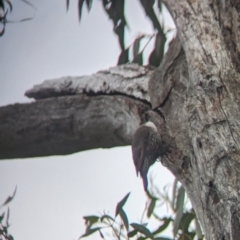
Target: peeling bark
point(130, 80)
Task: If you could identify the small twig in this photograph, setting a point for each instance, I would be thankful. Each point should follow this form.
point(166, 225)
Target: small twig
point(114, 230)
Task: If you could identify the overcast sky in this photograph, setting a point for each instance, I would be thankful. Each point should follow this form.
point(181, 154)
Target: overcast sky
point(55, 192)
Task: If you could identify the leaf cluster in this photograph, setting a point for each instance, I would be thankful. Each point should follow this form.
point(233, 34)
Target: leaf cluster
point(6, 8)
point(4, 219)
point(115, 9)
point(183, 221)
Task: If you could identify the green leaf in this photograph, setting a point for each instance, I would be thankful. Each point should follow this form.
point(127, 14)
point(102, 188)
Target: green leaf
point(132, 233)
point(2, 217)
point(159, 4)
point(121, 204)
point(157, 53)
point(10, 237)
point(101, 234)
point(148, 7)
point(9, 4)
point(90, 220)
point(124, 218)
point(174, 193)
point(7, 218)
point(115, 11)
point(142, 229)
point(151, 207)
point(89, 232)
point(10, 198)
point(163, 226)
point(106, 216)
point(136, 45)
point(67, 4)
point(89, 4)
point(185, 221)
point(179, 208)
point(160, 41)
point(80, 6)
point(138, 59)
point(123, 57)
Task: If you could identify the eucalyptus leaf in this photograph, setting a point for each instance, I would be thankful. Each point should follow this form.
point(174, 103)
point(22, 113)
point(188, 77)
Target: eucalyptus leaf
point(89, 4)
point(179, 209)
point(101, 234)
point(132, 233)
point(142, 229)
point(10, 198)
point(163, 226)
point(121, 204)
point(123, 57)
point(151, 207)
point(185, 221)
point(67, 4)
point(89, 232)
point(174, 193)
point(90, 220)
point(2, 217)
point(136, 45)
point(138, 59)
point(80, 6)
point(159, 4)
point(9, 4)
point(124, 218)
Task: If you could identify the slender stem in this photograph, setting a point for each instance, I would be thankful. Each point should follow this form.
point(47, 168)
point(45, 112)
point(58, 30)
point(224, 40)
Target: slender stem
point(111, 225)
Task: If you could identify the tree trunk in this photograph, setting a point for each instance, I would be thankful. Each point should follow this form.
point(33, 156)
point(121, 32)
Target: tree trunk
point(193, 98)
point(202, 111)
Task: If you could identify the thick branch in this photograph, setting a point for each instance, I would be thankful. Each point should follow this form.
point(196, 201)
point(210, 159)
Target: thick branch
point(64, 125)
point(130, 80)
point(77, 113)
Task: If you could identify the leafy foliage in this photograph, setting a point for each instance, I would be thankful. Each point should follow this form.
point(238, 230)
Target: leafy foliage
point(181, 220)
point(6, 7)
point(115, 11)
point(4, 219)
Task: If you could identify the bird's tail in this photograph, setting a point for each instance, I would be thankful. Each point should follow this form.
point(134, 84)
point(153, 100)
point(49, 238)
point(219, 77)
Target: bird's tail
point(145, 182)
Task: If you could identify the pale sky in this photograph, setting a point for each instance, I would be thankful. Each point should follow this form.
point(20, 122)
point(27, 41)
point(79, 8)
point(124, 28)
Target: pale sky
point(54, 193)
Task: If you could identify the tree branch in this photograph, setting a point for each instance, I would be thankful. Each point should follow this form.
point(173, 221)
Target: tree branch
point(77, 113)
point(64, 125)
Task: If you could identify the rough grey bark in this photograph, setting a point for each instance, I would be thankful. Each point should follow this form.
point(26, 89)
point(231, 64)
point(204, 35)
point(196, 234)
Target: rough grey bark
point(194, 96)
point(202, 110)
point(76, 114)
point(64, 125)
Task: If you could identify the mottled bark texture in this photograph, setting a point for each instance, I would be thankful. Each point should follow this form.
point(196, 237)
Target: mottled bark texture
point(73, 114)
point(193, 98)
point(202, 110)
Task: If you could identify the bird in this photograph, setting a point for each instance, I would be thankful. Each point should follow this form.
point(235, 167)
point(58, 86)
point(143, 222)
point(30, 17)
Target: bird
point(146, 144)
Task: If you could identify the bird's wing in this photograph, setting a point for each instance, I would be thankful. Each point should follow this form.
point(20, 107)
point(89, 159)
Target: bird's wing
point(139, 145)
